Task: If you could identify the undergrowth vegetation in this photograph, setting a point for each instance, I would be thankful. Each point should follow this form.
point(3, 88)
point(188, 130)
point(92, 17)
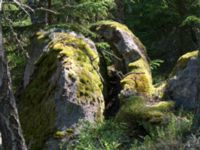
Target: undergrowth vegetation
point(113, 135)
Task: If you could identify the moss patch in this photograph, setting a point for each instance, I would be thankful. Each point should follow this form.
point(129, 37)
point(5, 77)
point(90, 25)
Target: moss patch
point(137, 112)
point(84, 62)
point(138, 80)
point(37, 108)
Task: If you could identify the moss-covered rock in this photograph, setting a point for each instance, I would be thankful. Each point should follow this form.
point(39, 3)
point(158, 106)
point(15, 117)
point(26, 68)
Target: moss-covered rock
point(133, 58)
point(63, 88)
point(125, 44)
point(137, 111)
point(182, 61)
point(181, 86)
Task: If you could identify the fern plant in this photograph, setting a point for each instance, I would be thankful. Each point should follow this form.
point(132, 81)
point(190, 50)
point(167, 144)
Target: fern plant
point(155, 64)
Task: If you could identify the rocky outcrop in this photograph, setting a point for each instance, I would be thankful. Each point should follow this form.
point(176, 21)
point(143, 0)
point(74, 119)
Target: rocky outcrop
point(132, 56)
point(62, 87)
point(182, 84)
point(136, 107)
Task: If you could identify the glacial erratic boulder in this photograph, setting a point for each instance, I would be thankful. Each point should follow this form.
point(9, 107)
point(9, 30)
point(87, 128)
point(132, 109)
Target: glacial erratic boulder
point(63, 87)
point(182, 84)
point(133, 61)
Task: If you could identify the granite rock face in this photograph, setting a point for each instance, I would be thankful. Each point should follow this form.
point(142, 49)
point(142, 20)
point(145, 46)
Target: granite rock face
point(182, 84)
point(62, 87)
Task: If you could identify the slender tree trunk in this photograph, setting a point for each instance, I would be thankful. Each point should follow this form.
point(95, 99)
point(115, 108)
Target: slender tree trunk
point(181, 7)
point(49, 19)
point(32, 4)
point(9, 120)
point(120, 10)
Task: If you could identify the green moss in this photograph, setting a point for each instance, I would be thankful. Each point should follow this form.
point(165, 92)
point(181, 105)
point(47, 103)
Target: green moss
point(159, 89)
point(136, 112)
point(59, 134)
point(162, 106)
point(80, 58)
point(183, 60)
point(139, 78)
point(37, 108)
point(62, 134)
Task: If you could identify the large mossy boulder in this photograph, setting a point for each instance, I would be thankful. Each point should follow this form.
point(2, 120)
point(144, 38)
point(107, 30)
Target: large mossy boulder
point(133, 58)
point(63, 87)
point(182, 84)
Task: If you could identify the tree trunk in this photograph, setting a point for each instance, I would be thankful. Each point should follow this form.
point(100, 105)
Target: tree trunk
point(32, 4)
point(9, 120)
point(181, 7)
point(49, 19)
point(120, 10)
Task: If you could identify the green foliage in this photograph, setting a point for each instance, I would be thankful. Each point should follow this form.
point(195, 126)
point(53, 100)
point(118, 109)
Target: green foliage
point(159, 23)
point(16, 62)
point(105, 49)
point(158, 15)
point(108, 135)
point(83, 11)
point(155, 64)
point(191, 20)
point(14, 16)
point(166, 138)
point(78, 28)
point(111, 135)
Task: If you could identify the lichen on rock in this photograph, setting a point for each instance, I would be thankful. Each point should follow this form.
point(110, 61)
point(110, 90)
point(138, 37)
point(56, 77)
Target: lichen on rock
point(64, 88)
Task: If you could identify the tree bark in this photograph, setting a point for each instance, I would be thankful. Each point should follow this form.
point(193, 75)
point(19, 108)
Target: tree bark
point(32, 4)
point(120, 10)
point(9, 120)
point(49, 19)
